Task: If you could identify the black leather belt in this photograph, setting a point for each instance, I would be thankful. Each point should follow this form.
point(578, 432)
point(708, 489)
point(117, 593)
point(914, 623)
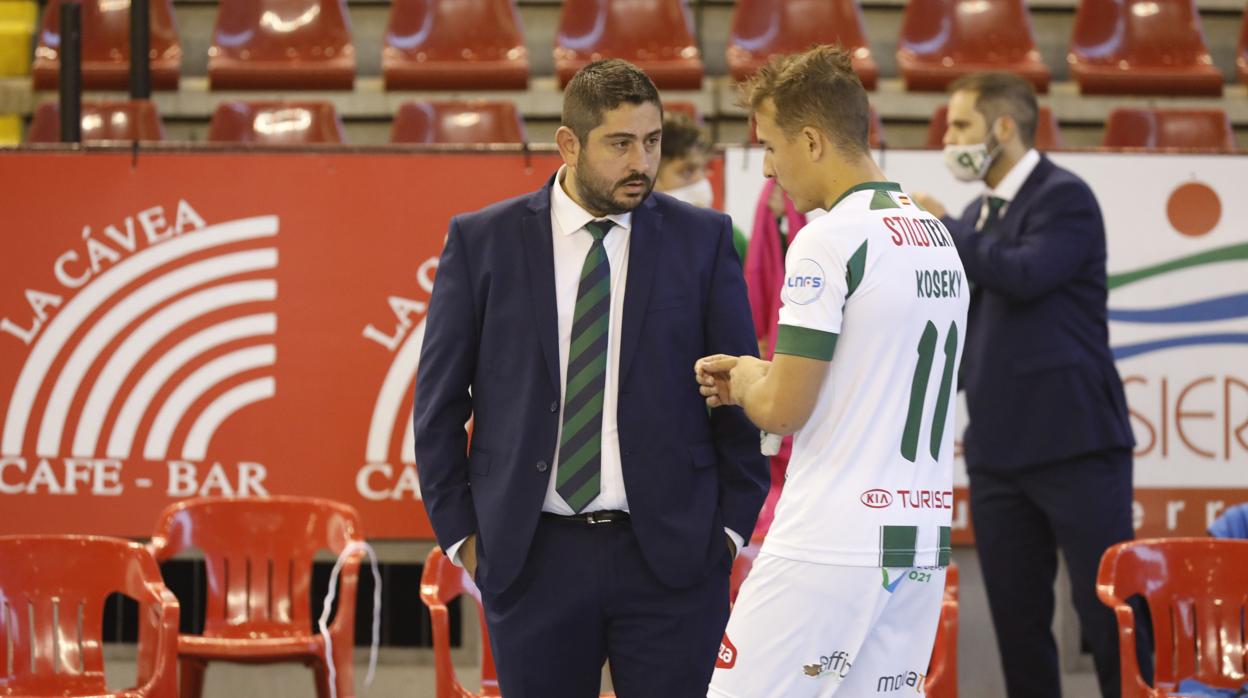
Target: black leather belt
point(591, 518)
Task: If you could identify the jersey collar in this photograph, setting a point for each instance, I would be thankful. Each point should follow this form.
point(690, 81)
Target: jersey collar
point(877, 186)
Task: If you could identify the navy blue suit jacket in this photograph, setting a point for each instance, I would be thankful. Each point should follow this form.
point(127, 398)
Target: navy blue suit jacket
point(491, 352)
point(1039, 375)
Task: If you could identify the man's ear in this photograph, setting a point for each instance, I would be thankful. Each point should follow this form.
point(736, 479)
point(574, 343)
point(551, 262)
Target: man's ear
point(1005, 129)
point(812, 141)
point(569, 145)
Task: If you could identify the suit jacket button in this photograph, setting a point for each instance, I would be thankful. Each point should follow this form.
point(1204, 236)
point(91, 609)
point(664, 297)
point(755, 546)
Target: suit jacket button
point(554, 406)
point(542, 467)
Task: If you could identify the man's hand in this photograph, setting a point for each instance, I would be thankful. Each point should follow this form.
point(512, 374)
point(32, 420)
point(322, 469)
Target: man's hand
point(732, 547)
point(715, 385)
point(929, 204)
point(468, 555)
point(725, 380)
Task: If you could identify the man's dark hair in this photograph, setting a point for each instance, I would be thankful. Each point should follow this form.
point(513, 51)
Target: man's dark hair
point(601, 87)
point(681, 136)
point(819, 89)
point(1003, 94)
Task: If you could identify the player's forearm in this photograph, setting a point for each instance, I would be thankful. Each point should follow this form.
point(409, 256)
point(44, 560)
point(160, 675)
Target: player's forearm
point(767, 410)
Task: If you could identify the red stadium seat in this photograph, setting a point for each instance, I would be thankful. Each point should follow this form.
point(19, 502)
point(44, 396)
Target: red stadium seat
point(275, 123)
point(458, 122)
point(106, 46)
point(942, 672)
point(52, 595)
point(258, 554)
point(281, 45)
point(454, 45)
point(762, 28)
point(440, 583)
point(1207, 129)
point(1048, 133)
point(101, 121)
point(942, 40)
point(689, 109)
point(1194, 588)
point(1153, 47)
point(654, 35)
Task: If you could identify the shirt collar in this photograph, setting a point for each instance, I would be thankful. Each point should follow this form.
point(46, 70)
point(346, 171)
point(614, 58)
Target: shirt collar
point(571, 216)
point(1013, 180)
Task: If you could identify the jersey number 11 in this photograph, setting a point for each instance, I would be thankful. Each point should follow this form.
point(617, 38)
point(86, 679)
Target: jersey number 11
point(918, 391)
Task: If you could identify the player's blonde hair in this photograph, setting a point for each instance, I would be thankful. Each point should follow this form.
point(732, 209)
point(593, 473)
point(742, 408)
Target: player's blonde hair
point(817, 88)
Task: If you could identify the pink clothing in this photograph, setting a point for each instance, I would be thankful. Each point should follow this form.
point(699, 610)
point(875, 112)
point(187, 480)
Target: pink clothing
point(764, 264)
point(764, 276)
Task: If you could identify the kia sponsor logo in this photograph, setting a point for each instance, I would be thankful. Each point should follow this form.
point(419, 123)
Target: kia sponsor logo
point(910, 499)
point(877, 498)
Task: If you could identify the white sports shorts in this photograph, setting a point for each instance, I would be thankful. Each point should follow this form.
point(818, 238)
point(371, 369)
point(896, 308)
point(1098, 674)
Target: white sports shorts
point(802, 629)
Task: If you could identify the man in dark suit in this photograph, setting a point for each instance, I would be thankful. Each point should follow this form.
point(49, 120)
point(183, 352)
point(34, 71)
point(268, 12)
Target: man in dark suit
point(1048, 445)
point(601, 505)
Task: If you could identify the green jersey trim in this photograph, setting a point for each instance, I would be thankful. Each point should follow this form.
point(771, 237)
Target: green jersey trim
point(803, 341)
point(877, 186)
point(854, 270)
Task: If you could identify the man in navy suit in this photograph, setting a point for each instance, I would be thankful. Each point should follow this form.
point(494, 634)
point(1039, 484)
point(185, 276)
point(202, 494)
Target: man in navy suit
point(1048, 444)
point(600, 505)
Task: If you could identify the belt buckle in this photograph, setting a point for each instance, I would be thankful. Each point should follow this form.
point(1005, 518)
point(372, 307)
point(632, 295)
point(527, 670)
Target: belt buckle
point(594, 520)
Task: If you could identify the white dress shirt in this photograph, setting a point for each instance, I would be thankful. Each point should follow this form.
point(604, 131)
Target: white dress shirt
point(571, 243)
point(1009, 185)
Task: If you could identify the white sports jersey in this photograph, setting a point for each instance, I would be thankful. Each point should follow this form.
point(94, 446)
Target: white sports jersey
point(876, 288)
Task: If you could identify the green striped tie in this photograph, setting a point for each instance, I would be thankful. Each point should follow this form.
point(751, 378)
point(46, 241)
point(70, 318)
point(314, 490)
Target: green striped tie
point(995, 204)
point(580, 446)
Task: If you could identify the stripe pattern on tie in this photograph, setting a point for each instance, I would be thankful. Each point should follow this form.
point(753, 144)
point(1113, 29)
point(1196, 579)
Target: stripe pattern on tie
point(579, 475)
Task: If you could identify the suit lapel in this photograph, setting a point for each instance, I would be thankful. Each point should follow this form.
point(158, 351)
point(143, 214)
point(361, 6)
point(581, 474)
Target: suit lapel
point(1014, 213)
point(539, 258)
point(643, 258)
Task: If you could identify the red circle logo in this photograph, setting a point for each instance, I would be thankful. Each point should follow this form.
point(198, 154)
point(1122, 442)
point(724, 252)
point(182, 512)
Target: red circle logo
point(1194, 209)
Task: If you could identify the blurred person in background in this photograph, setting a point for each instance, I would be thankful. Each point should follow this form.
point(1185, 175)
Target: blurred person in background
point(683, 169)
point(1048, 444)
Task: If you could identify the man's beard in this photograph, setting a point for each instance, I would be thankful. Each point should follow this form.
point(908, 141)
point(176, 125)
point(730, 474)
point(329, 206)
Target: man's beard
point(599, 197)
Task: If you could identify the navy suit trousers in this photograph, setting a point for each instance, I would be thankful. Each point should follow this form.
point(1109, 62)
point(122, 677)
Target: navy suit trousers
point(586, 595)
point(1022, 517)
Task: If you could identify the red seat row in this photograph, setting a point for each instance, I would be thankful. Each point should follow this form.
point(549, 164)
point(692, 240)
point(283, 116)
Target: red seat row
point(469, 122)
point(291, 123)
point(1117, 47)
point(1127, 128)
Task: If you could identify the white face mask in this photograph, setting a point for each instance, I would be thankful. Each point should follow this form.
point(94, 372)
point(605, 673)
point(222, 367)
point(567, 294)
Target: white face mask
point(697, 194)
point(970, 163)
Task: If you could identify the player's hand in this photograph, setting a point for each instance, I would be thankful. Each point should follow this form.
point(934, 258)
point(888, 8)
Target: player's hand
point(732, 547)
point(743, 375)
point(713, 374)
point(929, 204)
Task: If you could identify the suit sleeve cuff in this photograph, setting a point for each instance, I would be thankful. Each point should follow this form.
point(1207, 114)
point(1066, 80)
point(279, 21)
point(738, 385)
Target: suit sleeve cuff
point(737, 540)
point(453, 552)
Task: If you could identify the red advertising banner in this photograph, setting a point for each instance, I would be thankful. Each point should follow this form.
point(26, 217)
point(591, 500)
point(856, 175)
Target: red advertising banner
point(220, 324)
point(243, 324)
